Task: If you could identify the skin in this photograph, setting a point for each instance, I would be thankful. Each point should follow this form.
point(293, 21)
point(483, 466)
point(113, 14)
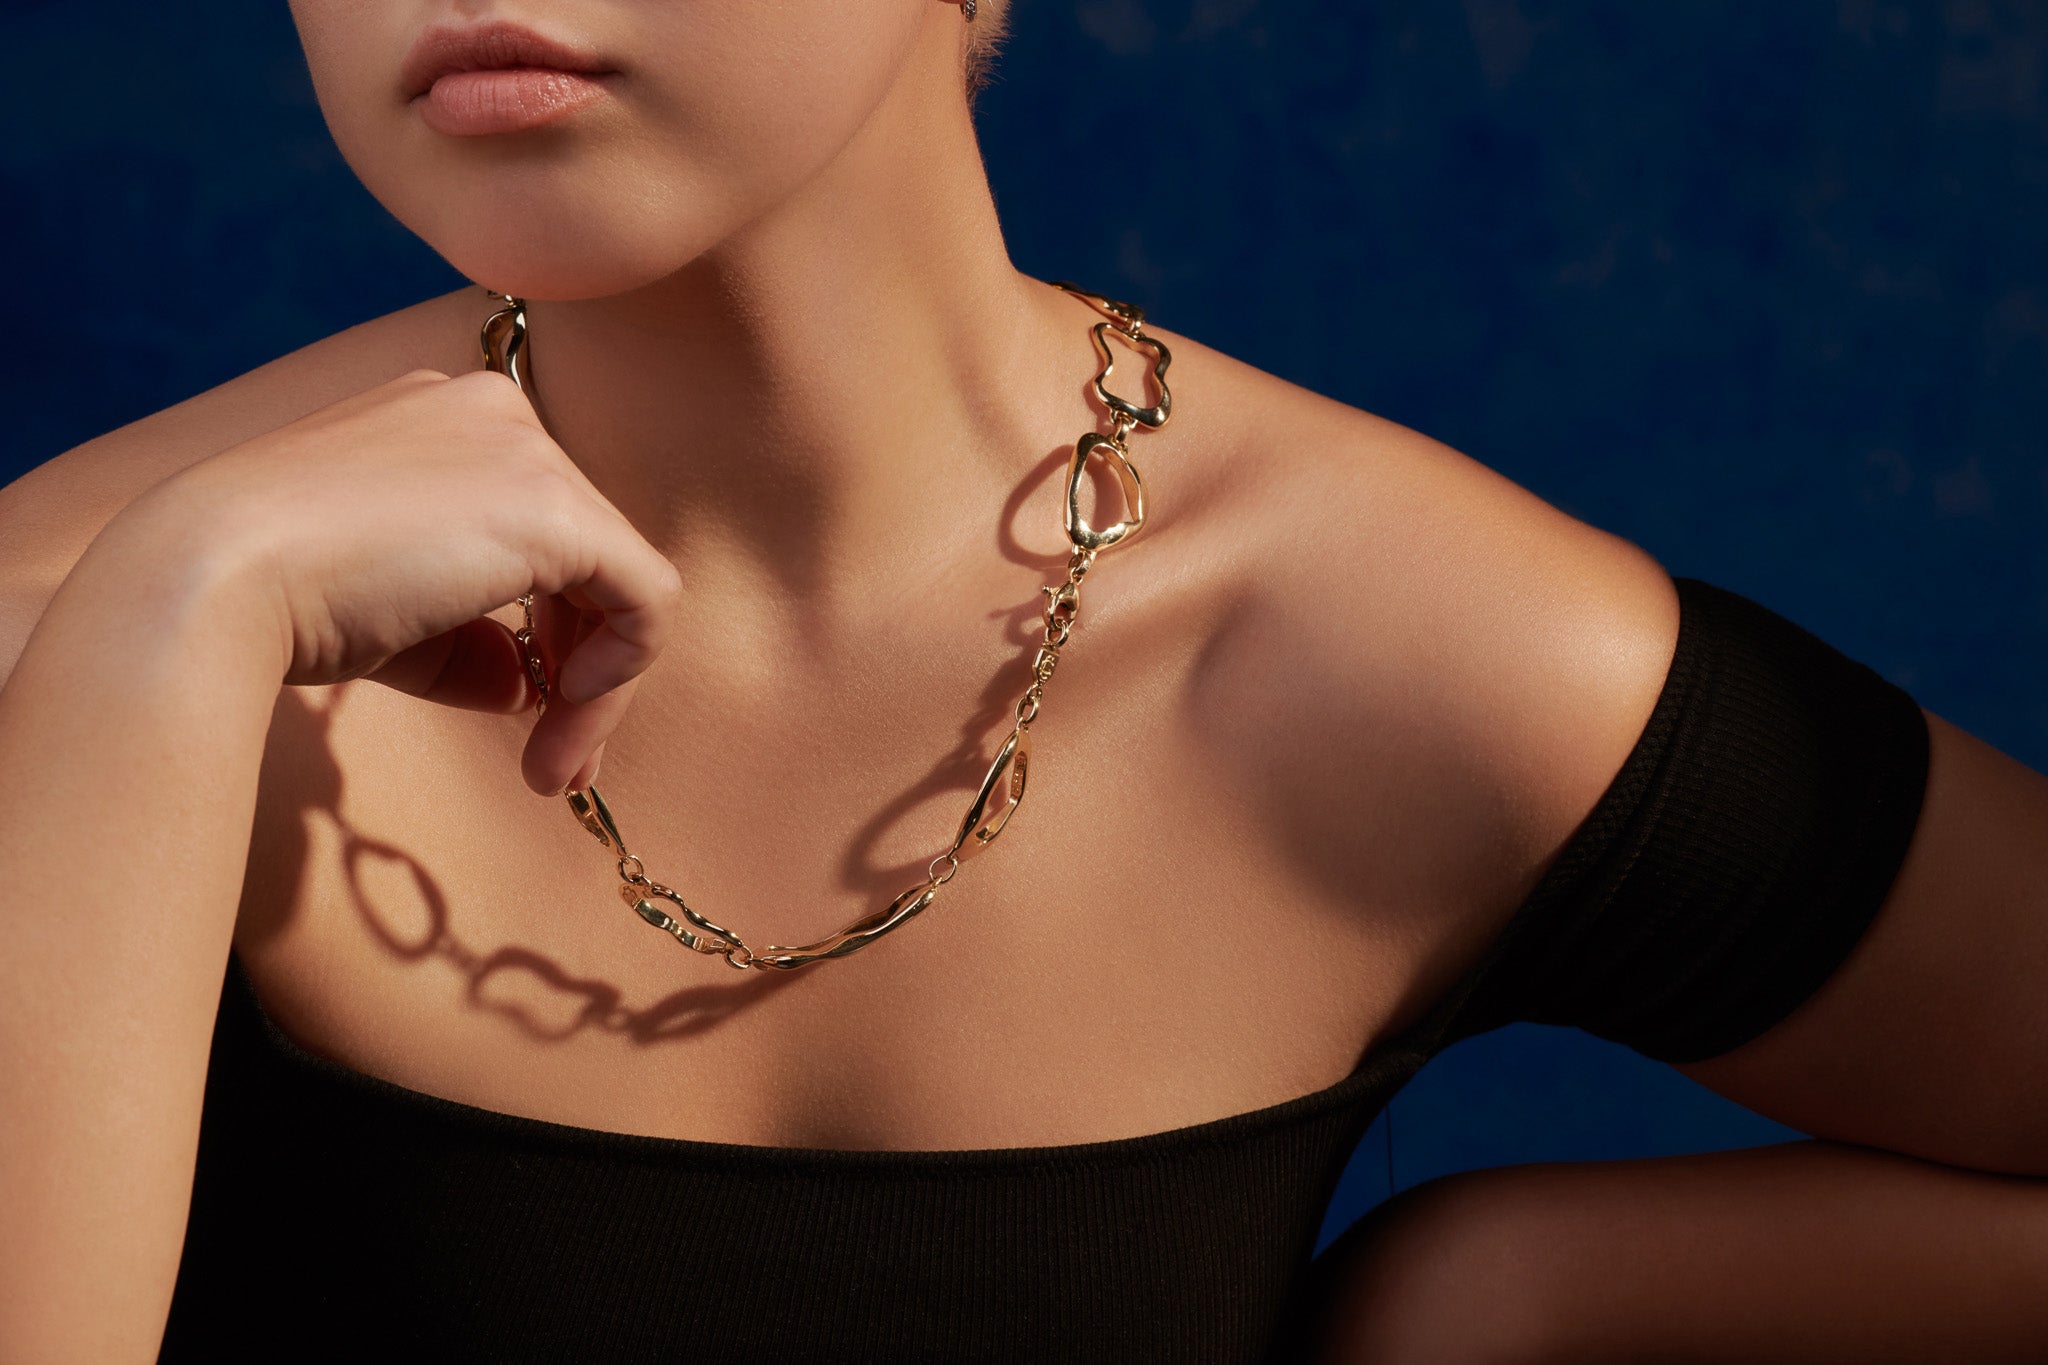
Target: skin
point(1775, 1255)
point(775, 324)
point(793, 211)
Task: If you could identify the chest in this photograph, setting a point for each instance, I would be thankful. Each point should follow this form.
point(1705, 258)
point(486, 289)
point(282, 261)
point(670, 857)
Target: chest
point(1134, 952)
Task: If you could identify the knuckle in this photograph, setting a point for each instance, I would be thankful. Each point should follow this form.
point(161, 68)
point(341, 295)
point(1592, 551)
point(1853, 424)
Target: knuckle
point(512, 437)
point(553, 485)
point(490, 395)
point(492, 386)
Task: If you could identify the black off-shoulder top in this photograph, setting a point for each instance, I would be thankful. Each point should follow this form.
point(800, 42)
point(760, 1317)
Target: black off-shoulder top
point(1739, 853)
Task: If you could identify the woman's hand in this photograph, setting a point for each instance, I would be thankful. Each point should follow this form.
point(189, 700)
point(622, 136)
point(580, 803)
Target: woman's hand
point(385, 527)
point(367, 540)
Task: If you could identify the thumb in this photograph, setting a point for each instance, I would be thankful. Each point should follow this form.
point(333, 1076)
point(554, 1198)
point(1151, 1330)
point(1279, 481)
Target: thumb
point(477, 667)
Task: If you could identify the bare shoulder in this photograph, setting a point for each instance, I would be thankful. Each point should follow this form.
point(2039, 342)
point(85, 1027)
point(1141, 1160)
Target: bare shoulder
point(1425, 671)
point(53, 512)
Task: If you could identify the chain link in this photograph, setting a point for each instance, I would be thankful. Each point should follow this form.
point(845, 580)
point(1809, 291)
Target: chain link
point(503, 340)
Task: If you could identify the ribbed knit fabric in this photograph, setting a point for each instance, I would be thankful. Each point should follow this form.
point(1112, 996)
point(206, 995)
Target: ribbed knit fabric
point(1737, 856)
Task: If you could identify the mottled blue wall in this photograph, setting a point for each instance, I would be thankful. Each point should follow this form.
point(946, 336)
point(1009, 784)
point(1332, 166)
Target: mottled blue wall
point(1761, 287)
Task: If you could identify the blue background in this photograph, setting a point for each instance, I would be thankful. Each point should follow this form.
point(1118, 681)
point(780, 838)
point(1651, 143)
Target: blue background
point(1761, 287)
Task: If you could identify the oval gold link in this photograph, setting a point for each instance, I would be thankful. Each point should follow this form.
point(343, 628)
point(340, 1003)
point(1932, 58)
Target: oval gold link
point(1079, 531)
point(638, 876)
point(1005, 776)
point(952, 867)
point(1026, 715)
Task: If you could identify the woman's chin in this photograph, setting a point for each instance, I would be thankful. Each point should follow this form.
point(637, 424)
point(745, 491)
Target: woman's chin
point(524, 275)
point(547, 247)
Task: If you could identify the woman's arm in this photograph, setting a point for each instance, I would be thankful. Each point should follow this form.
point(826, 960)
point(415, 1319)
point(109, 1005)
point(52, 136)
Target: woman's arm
point(131, 734)
point(366, 540)
point(1929, 1038)
point(1797, 1252)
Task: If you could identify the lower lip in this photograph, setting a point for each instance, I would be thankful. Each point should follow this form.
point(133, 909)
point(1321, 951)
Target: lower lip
point(469, 103)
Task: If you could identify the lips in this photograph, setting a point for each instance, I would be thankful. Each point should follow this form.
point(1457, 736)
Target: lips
point(498, 77)
point(495, 46)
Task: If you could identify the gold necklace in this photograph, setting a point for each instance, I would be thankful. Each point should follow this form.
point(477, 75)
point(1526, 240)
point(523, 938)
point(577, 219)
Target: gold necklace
point(504, 341)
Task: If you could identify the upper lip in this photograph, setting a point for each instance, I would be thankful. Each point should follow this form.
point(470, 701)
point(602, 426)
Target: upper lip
point(493, 46)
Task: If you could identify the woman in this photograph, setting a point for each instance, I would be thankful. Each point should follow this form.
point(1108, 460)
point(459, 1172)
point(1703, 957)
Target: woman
point(1324, 781)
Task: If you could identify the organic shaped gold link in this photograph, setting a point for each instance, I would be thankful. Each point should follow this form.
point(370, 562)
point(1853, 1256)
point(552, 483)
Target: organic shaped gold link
point(1153, 416)
point(854, 936)
point(706, 938)
point(1005, 775)
point(503, 339)
point(1083, 535)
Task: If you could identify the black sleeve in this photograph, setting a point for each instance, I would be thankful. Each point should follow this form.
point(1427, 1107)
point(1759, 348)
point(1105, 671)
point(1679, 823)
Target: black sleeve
point(1739, 853)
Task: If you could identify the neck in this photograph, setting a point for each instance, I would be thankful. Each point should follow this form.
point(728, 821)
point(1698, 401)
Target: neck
point(854, 386)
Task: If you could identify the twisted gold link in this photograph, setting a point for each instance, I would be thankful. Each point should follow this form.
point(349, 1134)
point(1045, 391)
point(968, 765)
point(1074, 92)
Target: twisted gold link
point(503, 340)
